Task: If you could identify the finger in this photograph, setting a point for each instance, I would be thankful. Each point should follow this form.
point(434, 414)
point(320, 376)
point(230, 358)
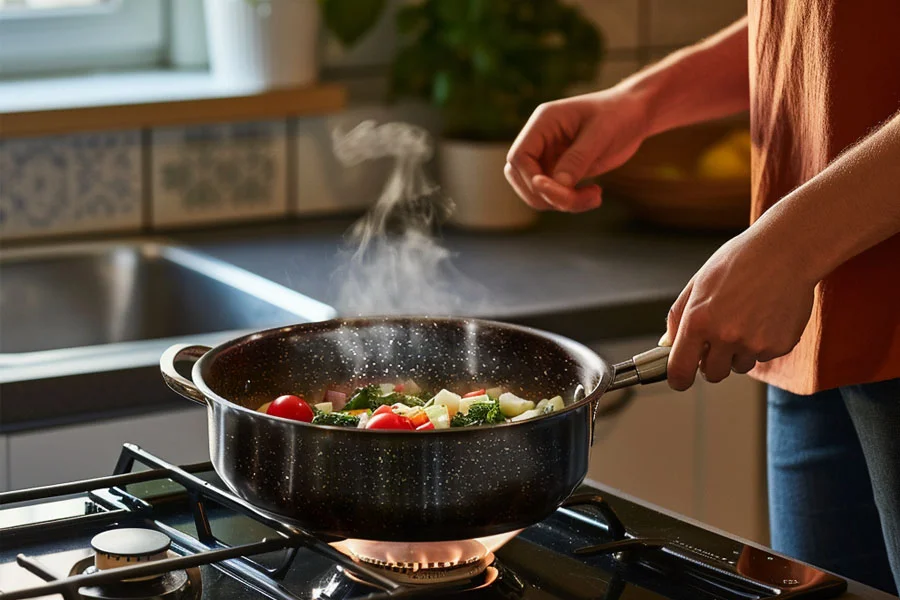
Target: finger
point(716, 364)
point(743, 363)
point(529, 197)
point(527, 168)
point(568, 199)
point(525, 152)
point(576, 160)
point(673, 319)
point(687, 350)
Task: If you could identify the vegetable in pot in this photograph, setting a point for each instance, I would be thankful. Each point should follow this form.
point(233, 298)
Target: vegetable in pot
point(337, 419)
point(371, 397)
point(439, 416)
point(388, 406)
point(479, 413)
point(513, 406)
point(389, 420)
point(291, 407)
point(362, 398)
point(448, 399)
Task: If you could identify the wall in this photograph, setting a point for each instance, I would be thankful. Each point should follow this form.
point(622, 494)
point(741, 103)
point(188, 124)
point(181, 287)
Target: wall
point(158, 179)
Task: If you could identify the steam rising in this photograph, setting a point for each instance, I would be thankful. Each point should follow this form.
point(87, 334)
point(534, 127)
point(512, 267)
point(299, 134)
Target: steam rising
point(392, 263)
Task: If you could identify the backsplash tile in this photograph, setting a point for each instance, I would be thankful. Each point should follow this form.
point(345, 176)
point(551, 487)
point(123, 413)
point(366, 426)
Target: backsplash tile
point(681, 22)
point(70, 184)
point(323, 183)
point(215, 173)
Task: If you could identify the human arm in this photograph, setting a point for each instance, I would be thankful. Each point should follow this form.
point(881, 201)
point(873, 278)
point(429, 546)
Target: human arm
point(751, 301)
point(568, 140)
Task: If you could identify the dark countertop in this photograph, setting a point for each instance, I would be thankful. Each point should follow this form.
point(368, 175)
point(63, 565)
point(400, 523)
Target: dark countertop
point(591, 277)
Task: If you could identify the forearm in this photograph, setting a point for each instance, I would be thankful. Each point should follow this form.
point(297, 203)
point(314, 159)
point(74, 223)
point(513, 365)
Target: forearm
point(705, 81)
point(849, 207)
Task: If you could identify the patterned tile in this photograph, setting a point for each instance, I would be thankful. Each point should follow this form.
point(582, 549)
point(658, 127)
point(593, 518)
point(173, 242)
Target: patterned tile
point(70, 184)
point(681, 22)
point(215, 173)
point(324, 185)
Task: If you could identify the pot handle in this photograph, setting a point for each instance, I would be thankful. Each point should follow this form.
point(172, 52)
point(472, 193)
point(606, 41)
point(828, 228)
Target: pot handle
point(647, 367)
point(177, 382)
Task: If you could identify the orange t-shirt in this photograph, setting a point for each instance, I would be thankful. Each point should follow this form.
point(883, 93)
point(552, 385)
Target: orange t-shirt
point(823, 75)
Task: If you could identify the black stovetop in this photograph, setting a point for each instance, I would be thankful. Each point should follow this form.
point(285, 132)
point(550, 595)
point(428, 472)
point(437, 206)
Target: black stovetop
point(583, 551)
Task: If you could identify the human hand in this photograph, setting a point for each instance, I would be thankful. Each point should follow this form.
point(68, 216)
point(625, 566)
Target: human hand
point(568, 140)
point(750, 302)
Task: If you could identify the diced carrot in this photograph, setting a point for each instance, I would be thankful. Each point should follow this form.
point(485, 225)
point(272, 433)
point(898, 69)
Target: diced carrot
point(419, 418)
point(475, 393)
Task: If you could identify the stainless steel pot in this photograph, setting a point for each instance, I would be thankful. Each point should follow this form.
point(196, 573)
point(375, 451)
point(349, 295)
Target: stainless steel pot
point(450, 484)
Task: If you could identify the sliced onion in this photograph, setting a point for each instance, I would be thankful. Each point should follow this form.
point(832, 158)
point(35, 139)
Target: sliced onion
point(337, 399)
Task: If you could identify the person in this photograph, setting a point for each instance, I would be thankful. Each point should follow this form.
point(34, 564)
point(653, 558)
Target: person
point(807, 299)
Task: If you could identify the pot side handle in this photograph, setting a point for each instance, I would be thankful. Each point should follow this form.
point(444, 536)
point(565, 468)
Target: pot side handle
point(177, 382)
point(647, 367)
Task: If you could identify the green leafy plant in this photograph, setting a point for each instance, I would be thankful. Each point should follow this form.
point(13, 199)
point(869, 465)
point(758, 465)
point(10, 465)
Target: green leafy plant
point(487, 64)
point(349, 20)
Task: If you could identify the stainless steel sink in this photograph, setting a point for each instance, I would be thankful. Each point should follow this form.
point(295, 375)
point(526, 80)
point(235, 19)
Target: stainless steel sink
point(64, 309)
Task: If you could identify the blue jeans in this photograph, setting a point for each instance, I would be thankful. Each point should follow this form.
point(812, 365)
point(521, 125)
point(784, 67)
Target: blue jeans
point(834, 480)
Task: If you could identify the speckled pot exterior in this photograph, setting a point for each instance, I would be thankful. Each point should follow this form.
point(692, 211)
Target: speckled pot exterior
point(396, 485)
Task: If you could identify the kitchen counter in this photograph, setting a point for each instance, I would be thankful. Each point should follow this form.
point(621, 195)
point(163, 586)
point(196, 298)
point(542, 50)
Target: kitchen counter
point(591, 277)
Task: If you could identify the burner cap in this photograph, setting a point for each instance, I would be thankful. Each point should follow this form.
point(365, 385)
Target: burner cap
point(131, 542)
point(129, 545)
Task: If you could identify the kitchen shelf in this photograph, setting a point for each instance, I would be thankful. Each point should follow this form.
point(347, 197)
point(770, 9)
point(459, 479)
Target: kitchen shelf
point(217, 106)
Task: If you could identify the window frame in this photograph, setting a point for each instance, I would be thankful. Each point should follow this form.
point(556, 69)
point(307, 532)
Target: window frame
point(118, 34)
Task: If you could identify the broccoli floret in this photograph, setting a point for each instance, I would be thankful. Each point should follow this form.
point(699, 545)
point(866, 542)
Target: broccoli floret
point(461, 420)
point(364, 397)
point(336, 418)
point(480, 413)
point(370, 397)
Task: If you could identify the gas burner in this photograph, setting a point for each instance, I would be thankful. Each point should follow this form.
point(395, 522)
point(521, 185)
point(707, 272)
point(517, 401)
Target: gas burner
point(129, 546)
point(434, 575)
point(126, 546)
point(495, 582)
point(421, 563)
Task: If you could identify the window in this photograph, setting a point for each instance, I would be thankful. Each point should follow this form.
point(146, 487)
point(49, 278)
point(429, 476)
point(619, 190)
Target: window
point(31, 8)
point(59, 36)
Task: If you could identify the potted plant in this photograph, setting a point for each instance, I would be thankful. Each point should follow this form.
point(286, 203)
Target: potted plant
point(486, 65)
point(263, 44)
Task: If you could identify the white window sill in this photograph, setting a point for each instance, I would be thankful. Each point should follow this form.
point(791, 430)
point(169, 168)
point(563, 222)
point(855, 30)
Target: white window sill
point(112, 89)
point(148, 99)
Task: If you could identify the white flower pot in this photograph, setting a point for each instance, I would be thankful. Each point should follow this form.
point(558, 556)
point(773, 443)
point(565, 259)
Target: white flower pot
point(472, 175)
point(263, 44)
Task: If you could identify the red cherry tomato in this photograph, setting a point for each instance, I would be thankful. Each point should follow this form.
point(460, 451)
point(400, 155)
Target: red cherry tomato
point(398, 387)
point(384, 408)
point(475, 393)
point(389, 420)
point(291, 407)
point(425, 426)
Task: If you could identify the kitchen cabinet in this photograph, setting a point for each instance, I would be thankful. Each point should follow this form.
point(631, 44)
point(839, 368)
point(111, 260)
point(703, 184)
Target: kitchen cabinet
point(4, 463)
point(700, 453)
point(69, 453)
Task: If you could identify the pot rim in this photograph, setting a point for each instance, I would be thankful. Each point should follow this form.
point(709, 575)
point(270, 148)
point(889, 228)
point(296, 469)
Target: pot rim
point(572, 346)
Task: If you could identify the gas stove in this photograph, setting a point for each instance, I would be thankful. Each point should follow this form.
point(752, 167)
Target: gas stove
point(156, 530)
